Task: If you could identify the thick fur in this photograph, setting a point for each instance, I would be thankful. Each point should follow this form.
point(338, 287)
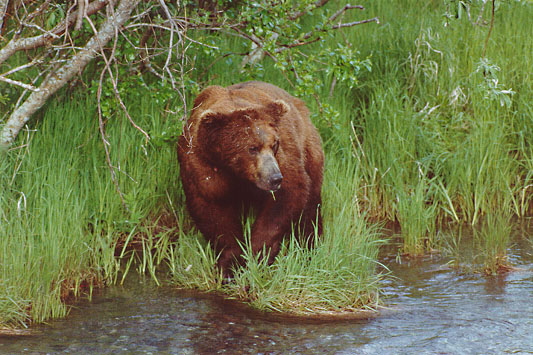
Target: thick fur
point(238, 144)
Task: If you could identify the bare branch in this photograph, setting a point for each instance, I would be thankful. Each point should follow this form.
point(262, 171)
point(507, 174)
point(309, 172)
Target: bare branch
point(57, 79)
point(257, 52)
point(114, 82)
point(172, 31)
point(18, 83)
point(299, 44)
point(101, 125)
point(183, 25)
point(22, 67)
point(17, 44)
point(355, 23)
point(480, 17)
point(343, 10)
point(40, 10)
point(82, 13)
point(162, 48)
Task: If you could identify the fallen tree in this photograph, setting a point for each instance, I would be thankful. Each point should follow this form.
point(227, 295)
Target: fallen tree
point(46, 44)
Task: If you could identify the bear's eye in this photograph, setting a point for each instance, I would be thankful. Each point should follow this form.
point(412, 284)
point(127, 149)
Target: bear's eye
point(254, 150)
point(275, 147)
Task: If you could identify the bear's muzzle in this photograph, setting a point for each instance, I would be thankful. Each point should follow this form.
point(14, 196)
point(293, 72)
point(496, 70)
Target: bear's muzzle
point(270, 176)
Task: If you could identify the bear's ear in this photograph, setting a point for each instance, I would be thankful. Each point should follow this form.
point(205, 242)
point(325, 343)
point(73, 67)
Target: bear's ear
point(277, 109)
point(212, 121)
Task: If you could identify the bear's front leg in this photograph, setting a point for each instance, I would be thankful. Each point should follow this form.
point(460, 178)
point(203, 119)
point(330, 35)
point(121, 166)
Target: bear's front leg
point(274, 221)
point(220, 224)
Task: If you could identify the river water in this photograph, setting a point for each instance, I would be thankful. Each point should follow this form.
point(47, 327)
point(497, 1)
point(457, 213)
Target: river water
point(433, 309)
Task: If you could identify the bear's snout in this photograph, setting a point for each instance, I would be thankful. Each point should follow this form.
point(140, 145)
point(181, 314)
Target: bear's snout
point(270, 176)
point(275, 181)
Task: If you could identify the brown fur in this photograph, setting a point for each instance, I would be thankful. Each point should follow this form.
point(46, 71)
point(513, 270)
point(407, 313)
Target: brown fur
point(226, 161)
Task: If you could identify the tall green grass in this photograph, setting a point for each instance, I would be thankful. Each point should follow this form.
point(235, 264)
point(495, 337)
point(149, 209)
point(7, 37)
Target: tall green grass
point(430, 138)
point(445, 136)
point(45, 250)
point(61, 217)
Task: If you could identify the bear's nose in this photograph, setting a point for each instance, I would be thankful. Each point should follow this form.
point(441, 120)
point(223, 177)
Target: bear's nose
point(275, 180)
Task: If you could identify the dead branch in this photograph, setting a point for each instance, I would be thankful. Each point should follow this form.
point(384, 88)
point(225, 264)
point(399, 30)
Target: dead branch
point(355, 23)
point(4, 78)
point(101, 124)
point(57, 79)
point(343, 10)
point(82, 13)
point(18, 44)
point(39, 11)
point(18, 83)
point(158, 32)
point(113, 79)
point(480, 19)
point(333, 27)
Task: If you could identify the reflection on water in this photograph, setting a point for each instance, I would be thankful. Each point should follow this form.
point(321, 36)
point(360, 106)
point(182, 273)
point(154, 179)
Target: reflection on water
point(434, 310)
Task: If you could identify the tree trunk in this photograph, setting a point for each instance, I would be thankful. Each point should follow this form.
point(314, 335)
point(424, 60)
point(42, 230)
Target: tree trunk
point(56, 80)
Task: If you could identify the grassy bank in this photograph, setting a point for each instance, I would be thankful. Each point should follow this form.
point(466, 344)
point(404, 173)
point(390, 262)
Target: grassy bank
point(445, 135)
point(433, 136)
point(61, 217)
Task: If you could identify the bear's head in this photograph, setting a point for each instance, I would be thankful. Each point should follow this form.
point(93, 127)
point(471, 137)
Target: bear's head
point(245, 142)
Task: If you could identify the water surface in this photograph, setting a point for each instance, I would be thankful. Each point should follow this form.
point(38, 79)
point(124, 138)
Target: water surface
point(433, 310)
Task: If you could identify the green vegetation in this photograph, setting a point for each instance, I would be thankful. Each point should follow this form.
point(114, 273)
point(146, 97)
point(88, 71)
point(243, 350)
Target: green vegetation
point(446, 134)
point(432, 136)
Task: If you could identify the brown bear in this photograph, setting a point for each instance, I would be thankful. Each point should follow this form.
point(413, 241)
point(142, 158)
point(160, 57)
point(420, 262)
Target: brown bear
point(251, 145)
